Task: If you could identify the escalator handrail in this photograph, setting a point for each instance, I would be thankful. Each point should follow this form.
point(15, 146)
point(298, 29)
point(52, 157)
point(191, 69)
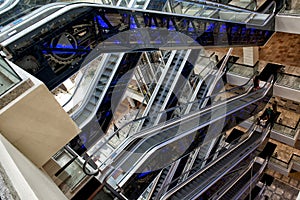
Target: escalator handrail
point(28, 17)
point(75, 5)
point(219, 194)
point(5, 4)
point(215, 5)
point(9, 7)
point(191, 178)
point(227, 146)
point(219, 6)
point(154, 148)
point(263, 165)
point(225, 6)
point(223, 191)
point(273, 3)
point(219, 73)
point(91, 92)
point(79, 82)
point(90, 89)
point(159, 126)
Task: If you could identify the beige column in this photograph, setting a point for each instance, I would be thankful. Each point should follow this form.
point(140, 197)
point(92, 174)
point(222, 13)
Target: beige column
point(131, 102)
point(36, 124)
point(250, 55)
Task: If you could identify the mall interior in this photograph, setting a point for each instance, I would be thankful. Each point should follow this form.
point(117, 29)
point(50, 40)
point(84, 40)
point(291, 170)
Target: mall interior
point(149, 99)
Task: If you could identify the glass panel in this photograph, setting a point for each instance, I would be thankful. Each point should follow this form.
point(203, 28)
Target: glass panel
point(8, 78)
point(291, 7)
point(285, 130)
point(84, 77)
point(242, 70)
point(279, 162)
point(72, 175)
point(63, 157)
point(13, 11)
point(296, 158)
point(290, 81)
point(223, 12)
point(101, 155)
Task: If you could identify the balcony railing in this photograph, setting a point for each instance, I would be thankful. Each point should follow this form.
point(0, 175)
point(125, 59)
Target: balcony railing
point(8, 77)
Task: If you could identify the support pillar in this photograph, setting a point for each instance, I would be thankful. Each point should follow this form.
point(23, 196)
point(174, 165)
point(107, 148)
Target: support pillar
point(250, 55)
point(131, 102)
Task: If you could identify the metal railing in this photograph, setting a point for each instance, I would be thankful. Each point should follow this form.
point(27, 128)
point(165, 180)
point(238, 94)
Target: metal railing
point(251, 130)
point(188, 118)
point(245, 86)
point(8, 77)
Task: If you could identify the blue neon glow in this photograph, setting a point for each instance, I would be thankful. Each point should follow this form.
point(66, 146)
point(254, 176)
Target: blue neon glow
point(210, 28)
point(107, 114)
point(64, 46)
point(164, 22)
point(132, 23)
point(153, 26)
point(171, 26)
point(143, 174)
point(146, 20)
point(102, 23)
point(191, 28)
point(223, 28)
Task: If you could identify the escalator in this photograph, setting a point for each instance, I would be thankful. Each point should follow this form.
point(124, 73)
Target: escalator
point(165, 173)
point(201, 95)
point(199, 155)
point(96, 96)
point(211, 145)
point(6, 5)
point(229, 178)
point(248, 178)
point(12, 12)
point(204, 178)
point(97, 122)
point(167, 86)
point(180, 165)
point(144, 4)
point(202, 92)
point(59, 44)
point(150, 153)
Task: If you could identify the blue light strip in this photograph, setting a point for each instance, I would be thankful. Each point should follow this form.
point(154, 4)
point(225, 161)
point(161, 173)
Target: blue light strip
point(102, 23)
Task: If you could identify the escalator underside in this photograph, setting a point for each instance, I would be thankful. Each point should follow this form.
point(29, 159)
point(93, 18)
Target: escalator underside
point(194, 187)
point(58, 46)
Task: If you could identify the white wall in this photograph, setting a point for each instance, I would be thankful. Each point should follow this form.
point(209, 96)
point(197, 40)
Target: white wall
point(29, 182)
point(288, 24)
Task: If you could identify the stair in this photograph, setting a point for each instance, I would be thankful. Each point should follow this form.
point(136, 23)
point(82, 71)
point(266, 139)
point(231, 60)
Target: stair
point(97, 93)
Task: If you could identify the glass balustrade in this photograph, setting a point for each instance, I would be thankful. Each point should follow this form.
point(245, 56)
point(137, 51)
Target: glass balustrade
point(8, 77)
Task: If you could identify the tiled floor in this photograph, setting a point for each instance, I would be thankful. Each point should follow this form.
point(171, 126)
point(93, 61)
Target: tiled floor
point(282, 48)
point(284, 151)
point(7, 190)
point(281, 189)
